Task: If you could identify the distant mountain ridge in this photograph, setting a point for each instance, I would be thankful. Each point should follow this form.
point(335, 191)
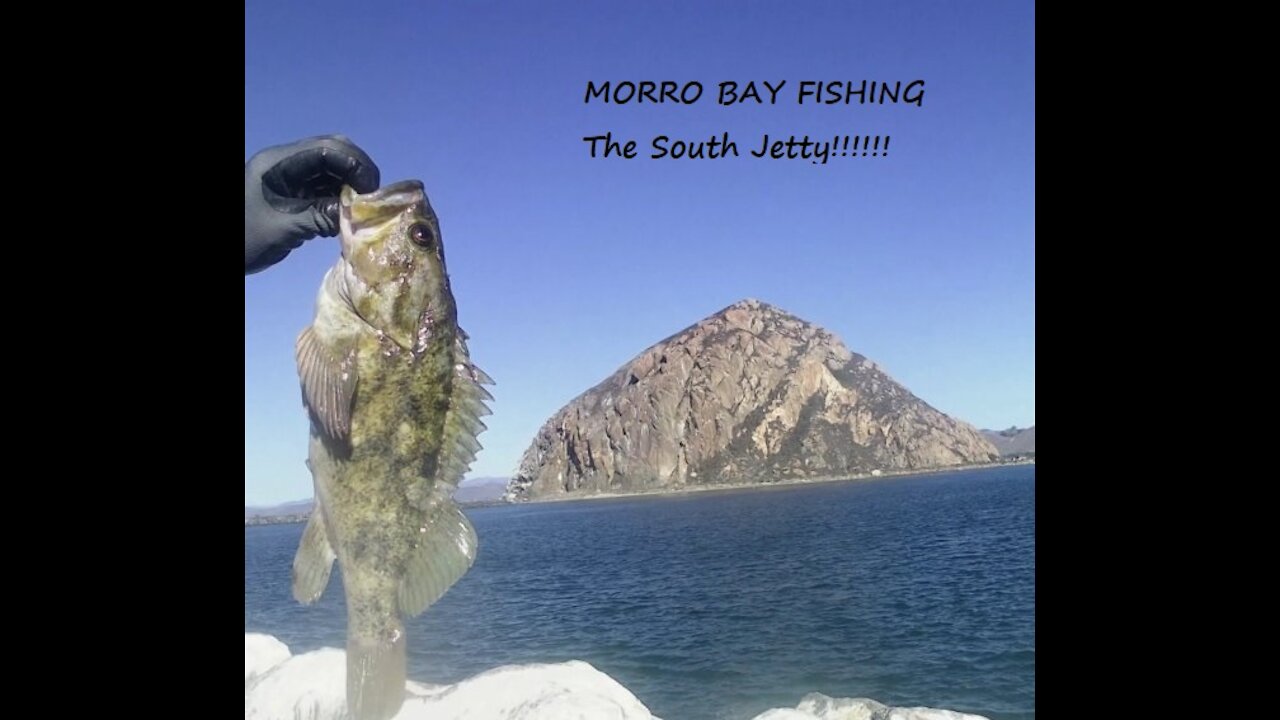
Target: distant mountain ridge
point(296, 507)
point(476, 491)
point(481, 490)
point(1013, 441)
point(750, 394)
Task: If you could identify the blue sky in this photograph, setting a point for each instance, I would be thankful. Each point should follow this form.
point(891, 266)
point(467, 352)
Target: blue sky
point(565, 267)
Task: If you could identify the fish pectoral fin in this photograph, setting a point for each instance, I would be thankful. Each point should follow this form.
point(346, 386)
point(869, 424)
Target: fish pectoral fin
point(313, 561)
point(328, 377)
point(445, 552)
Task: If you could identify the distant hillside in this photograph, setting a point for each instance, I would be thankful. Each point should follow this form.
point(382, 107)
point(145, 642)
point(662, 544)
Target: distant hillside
point(1014, 441)
point(481, 490)
point(477, 491)
point(297, 507)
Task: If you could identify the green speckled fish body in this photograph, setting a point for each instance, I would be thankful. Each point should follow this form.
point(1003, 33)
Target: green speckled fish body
point(395, 406)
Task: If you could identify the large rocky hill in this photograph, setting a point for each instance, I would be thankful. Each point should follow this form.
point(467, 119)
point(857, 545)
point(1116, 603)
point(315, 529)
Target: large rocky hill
point(750, 394)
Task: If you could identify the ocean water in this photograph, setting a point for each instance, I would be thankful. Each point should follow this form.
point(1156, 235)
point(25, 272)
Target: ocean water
point(718, 606)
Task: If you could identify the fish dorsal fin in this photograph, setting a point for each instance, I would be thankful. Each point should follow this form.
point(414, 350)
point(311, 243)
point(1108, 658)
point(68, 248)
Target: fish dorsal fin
point(328, 376)
point(313, 561)
point(445, 552)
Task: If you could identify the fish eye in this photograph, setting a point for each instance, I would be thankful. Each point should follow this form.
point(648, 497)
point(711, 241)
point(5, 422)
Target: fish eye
point(421, 235)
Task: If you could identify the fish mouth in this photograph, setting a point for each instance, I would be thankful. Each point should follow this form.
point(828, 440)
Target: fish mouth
point(388, 192)
point(383, 204)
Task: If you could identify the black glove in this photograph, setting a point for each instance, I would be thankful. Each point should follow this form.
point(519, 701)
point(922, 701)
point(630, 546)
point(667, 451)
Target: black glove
point(291, 195)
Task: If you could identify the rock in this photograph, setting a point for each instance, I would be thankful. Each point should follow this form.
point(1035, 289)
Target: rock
point(570, 690)
point(822, 707)
point(313, 685)
point(816, 706)
point(750, 394)
point(783, 714)
point(920, 713)
point(261, 653)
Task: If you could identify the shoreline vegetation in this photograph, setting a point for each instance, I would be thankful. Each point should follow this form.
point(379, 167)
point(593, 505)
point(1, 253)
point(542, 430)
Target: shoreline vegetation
point(691, 489)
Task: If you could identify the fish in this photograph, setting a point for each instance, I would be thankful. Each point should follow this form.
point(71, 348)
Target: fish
point(394, 403)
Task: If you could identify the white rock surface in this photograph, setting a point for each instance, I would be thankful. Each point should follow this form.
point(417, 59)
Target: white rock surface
point(922, 713)
point(312, 686)
point(783, 714)
point(816, 706)
point(261, 653)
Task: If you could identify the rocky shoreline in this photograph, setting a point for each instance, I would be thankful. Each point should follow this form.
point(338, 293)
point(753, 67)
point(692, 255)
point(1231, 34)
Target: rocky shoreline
point(662, 492)
point(690, 490)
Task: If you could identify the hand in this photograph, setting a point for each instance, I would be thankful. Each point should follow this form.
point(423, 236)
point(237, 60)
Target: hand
point(291, 195)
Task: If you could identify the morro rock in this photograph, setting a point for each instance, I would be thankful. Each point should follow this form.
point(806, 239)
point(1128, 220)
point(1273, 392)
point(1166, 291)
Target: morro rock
point(751, 394)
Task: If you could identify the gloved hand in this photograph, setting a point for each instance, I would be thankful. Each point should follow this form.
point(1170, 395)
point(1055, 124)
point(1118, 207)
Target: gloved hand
point(291, 194)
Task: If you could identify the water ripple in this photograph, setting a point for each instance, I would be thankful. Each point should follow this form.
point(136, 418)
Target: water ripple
point(917, 591)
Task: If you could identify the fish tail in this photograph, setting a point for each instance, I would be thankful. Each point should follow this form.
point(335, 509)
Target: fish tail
point(376, 673)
